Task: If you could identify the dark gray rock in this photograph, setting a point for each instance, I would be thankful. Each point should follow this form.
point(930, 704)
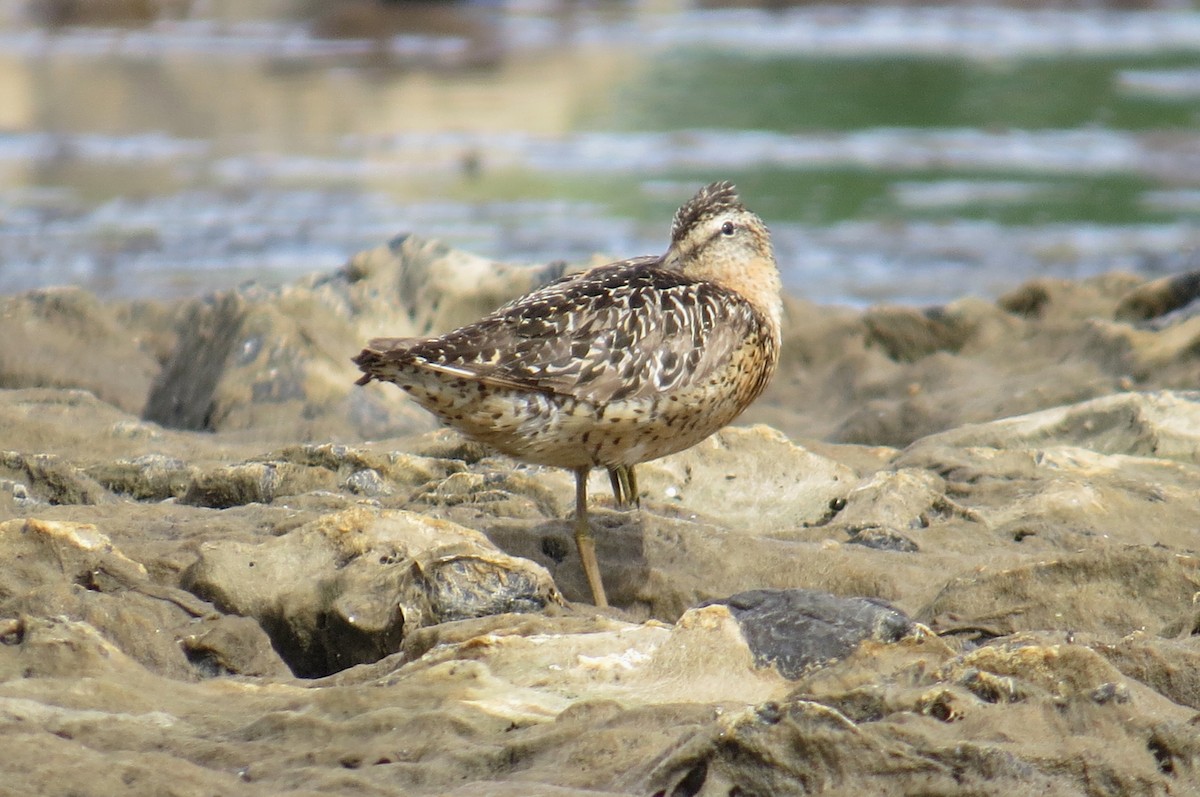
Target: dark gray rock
point(797, 630)
point(184, 394)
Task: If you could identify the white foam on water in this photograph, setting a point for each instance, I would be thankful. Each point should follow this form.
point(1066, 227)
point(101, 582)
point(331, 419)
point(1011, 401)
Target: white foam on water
point(1170, 84)
point(1052, 152)
point(935, 194)
point(976, 32)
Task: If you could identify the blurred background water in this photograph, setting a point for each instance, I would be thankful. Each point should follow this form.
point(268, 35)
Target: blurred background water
point(907, 153)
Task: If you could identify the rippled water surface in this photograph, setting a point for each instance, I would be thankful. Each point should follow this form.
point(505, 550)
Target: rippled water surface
point(902, 153)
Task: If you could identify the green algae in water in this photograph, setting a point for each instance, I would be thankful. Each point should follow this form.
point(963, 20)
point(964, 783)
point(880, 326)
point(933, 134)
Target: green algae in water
point(698, 89)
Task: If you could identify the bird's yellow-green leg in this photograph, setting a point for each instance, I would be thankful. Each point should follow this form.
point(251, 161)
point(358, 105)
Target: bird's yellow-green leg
point(624, 486)
point(584, 541)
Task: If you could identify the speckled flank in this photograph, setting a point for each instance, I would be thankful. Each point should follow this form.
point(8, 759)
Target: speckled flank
point(621, 364)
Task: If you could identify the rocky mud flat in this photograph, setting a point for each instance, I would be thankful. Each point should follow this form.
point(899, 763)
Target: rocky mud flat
point(952, 551)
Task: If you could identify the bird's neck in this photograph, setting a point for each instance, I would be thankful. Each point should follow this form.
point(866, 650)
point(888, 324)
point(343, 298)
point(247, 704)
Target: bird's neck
point(755, 279)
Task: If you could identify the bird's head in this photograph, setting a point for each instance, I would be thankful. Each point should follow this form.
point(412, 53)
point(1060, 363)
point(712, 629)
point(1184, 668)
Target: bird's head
point(714, 237)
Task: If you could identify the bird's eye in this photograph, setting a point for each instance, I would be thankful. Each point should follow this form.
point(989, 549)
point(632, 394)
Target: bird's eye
point(727, 228)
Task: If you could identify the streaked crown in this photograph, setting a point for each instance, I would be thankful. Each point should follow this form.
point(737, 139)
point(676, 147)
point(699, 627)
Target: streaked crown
point(709, 202)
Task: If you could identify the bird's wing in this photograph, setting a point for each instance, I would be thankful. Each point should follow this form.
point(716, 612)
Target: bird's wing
point(623, 331)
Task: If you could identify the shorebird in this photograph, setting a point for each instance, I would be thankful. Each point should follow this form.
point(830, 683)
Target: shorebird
point(614, 366)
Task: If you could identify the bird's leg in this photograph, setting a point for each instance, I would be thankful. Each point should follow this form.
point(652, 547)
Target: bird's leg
point(616, 479)
point(624, 486)
point(584, 541)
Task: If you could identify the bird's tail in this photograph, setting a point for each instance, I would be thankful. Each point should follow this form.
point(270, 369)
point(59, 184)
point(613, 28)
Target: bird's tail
point(371, 360)
point(368, 362)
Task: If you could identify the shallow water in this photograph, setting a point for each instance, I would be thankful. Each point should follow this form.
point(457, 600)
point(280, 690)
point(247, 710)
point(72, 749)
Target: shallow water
point(909, 154)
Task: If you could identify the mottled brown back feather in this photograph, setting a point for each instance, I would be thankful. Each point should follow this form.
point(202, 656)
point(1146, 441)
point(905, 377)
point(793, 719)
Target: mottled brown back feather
point(623, 331)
